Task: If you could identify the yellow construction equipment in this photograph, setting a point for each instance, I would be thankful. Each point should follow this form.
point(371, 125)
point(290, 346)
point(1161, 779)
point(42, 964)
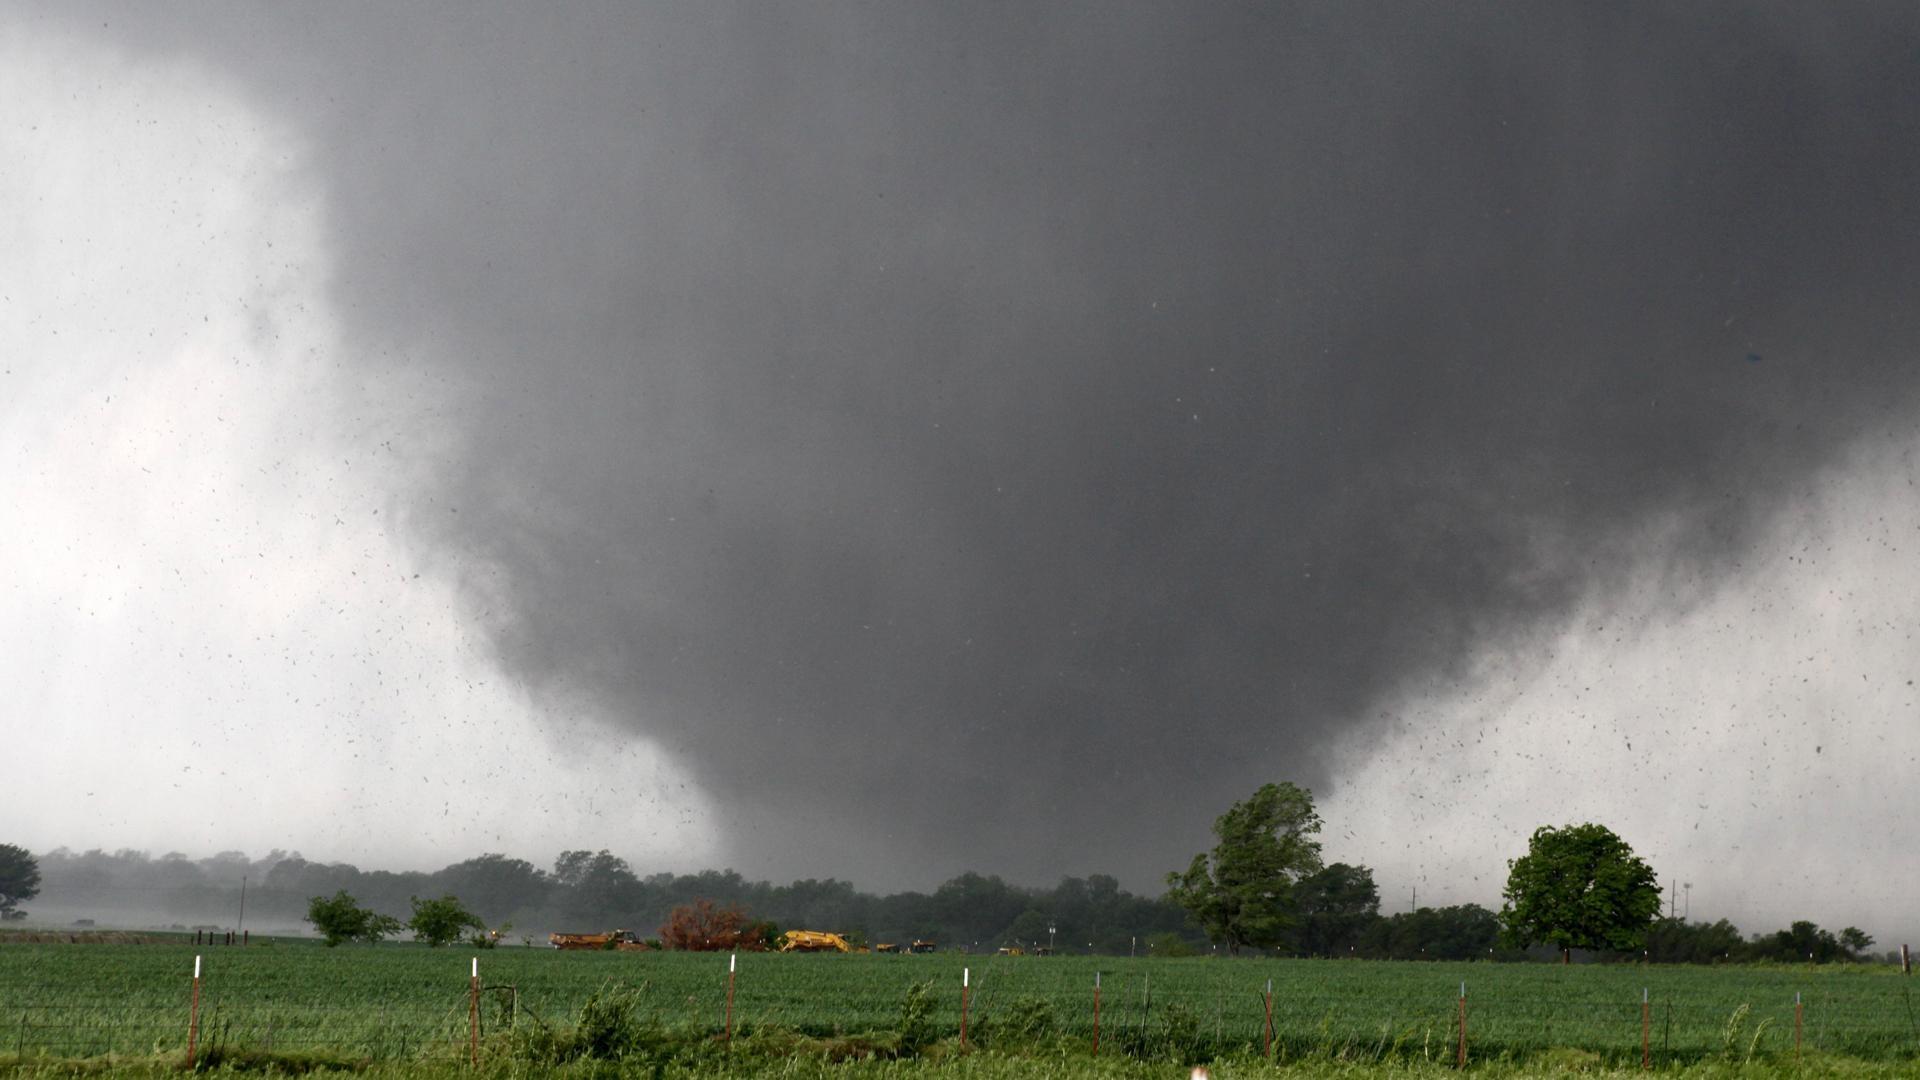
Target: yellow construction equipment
point(621, 940)
point(813, 941)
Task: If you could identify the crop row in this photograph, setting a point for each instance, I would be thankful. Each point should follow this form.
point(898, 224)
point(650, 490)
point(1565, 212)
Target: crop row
point(393, 1000)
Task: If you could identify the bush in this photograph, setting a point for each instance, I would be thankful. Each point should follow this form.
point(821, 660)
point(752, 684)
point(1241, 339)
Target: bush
point(703, 927)
point(1180, 1041)
point(916, 1017)
point(1169, 944)
point(1026, 1020)
point(441, 922)
point(610, 1027)
point(340, 918)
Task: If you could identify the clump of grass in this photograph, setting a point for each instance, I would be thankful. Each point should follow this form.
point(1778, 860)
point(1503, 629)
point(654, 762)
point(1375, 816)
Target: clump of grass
point(1735, 1030)
point(1753, 1045)
point(1027, 1019)
point(916, 1018)
point(1173, 1036)
point(609, 1027)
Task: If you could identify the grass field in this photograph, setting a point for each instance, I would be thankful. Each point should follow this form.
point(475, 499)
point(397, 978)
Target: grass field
point(398, 1004)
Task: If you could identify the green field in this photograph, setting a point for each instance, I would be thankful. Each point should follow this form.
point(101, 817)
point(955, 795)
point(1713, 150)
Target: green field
point(400, 1003)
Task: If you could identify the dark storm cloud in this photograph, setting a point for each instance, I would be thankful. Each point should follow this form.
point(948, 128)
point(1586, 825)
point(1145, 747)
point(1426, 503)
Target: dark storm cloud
point(997, 435)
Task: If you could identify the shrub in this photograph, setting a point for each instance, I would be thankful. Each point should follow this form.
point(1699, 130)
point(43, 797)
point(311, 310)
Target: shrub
point(1026, 1020)
point(609, 1027)
point(441, 922)
point(340, 918)
point(916, 1017)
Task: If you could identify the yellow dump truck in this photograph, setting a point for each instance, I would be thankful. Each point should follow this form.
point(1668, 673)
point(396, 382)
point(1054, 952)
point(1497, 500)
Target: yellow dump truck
point(622, 940)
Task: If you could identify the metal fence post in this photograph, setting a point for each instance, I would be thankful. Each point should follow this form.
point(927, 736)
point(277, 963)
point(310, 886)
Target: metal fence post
point(1463, 1026)
point(193, 1016)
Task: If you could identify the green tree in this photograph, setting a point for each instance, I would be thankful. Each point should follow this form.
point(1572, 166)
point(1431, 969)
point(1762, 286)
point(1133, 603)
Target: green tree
point(379, 926)
point(1336, 905)
point(1806, 941)
point(596, 887)
point(971, 908)
point(1242, 894)
point(441, 922)
point(495, 886)
point(340, 918)
point(1465, 932)
point(1676, 941)
point(19, 880)
point(1580, 887)
point(1168, 944)
point(1028, 930)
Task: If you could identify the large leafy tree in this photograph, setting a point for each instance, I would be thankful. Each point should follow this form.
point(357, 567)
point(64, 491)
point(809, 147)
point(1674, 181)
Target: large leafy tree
point(494, 885)
point(19, 879)
point(1855, 942)
point(1579, 887)
point(1336, 905)
point(975, 907)
point(1242, 893)
point(596, 886)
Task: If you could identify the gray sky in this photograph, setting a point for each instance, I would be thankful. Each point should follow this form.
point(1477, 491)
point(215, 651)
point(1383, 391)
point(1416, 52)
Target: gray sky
point(882, 440)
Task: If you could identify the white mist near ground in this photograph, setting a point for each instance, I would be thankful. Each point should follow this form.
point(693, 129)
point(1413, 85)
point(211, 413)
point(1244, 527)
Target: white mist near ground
point(1753, 734)
point(213, 633)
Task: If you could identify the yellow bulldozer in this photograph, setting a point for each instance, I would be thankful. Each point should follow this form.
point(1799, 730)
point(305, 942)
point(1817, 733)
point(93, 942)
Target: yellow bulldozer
point(813, 941)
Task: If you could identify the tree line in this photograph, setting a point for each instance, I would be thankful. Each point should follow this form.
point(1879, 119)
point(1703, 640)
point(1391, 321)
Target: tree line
point(1262, 887)
point(1337, 907)
point(1579, 887)
point(597, 890)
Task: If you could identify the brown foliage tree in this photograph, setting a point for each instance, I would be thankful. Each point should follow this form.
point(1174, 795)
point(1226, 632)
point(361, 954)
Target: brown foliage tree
point(703, 927)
